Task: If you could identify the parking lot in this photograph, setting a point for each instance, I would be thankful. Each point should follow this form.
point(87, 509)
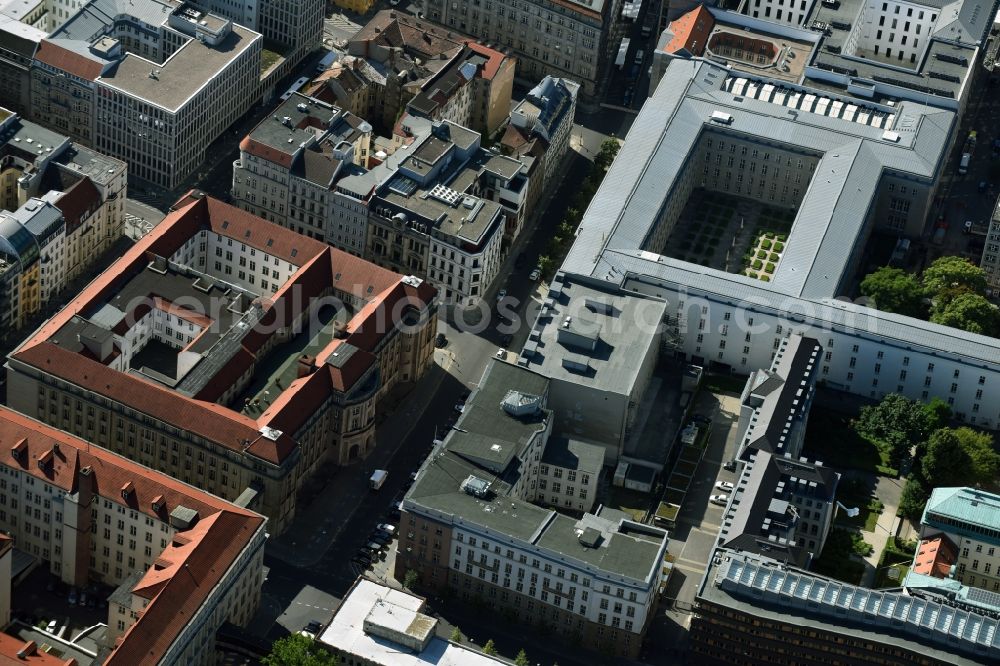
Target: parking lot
point(42, 603)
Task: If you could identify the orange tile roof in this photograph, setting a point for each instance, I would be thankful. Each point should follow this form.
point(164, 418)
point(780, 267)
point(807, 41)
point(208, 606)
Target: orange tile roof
point(494, 58)
point(265, 152)
point(63, 59)
point(110, 471)
point(691, 31)
point(11, 645)
point(935, 557)
point(320, 269)
point(193, 564)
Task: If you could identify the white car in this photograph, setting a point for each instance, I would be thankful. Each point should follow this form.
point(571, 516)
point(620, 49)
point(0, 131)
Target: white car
point(387, 528)
point(725, 485)
point(719, 499)
point(535, 274)
point(459, 407)
point(51, 628)
point(502, 354)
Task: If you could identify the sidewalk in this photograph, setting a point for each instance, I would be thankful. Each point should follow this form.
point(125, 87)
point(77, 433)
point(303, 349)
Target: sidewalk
point(309, 536)
point(885, 527)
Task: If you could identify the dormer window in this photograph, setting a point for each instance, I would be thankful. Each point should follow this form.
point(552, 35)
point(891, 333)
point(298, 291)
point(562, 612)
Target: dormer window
point(127, 491)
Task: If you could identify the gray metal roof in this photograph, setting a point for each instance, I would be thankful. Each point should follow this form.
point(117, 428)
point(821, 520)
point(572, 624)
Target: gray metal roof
point(96, 17)
point(765, 588)
point(610, 241)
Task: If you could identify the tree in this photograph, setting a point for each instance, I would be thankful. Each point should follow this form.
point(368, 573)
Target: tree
point(566, 229)
point(490, 648)
point(984, 460)
point(456, 635)
point(952, 275)
point(895, 425)
point(913, 499)
point(606, 155)
point(968, 312)
point(938, 413)
point(298, 650)
point(946, 462)
point(894, 290)
point(545, 262)
point(521, 659)
point(410, 579)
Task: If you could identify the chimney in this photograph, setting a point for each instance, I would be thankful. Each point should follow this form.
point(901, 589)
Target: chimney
point(305, 366)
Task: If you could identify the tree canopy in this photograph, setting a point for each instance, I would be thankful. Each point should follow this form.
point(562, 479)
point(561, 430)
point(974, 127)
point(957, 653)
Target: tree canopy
point(969, 312)
point(895, 425)
point(946, 462)
point(298, 650)
point(952, 274)
point(894, 290)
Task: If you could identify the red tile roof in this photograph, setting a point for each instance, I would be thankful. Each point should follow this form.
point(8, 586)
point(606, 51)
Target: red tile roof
point(11, 645)
point(494, 58)
point(78, 203)
point(110, 472)
point(691, 31)
point(321, 268)
point(56, 56)
point(192, 565)
point(935, 557)
point(265, 152)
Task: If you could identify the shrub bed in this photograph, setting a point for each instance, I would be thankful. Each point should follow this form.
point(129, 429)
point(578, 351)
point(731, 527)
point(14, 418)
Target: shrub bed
point(769, 268)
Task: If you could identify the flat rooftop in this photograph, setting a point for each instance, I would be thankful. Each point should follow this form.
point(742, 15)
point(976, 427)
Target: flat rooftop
point(573, 454)
point(186, 72)
point(621, 330)
point(474, 225)
point(297, 120)
point(346, 631)
point(487, 443)
point(941, 71)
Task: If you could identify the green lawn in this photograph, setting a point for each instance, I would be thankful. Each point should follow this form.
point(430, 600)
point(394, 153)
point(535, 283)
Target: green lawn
point(267, 59)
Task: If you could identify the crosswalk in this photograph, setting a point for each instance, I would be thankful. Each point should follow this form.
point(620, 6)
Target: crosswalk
point(136, 227)
point(341, 22)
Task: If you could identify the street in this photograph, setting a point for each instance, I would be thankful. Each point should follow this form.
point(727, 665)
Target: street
point(309, 565)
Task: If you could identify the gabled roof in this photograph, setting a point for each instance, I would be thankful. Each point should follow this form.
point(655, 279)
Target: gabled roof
point(12, 647)
point(689, 33)
point(184, 576)
point(78, 203)
point(65, 60)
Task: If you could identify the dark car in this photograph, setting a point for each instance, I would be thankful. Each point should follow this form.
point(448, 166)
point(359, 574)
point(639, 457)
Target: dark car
point(505, 340)
point(314, 627)
point(730, 466)
point(363, 553)
point(701, 418)
point(441, 340)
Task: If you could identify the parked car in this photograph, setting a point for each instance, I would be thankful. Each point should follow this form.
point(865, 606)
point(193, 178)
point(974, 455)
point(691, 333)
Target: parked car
point(725, 485)
point(381, 538)
point(502, 353)
point(719, 499)
point(459, 407)
point(52, 626)
point(441, 340)
point(363, 562)
point(386, 527)
point(535, 274)
point(375, 546)
point(363, 553)
point(314, 627)
point(506, 339)
point(730, 466)
point(502, 294)
point(968, 226)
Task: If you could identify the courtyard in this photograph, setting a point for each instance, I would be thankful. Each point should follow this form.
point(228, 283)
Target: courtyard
point(734, 234)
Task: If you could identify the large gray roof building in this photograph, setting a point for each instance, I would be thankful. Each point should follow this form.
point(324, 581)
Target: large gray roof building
point(857, 164)
point(477, 493)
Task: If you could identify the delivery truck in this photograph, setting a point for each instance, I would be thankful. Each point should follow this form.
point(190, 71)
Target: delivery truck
point(378, 479)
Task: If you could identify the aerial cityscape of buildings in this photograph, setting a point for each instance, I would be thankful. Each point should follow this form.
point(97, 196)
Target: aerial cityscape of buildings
point(553, 331)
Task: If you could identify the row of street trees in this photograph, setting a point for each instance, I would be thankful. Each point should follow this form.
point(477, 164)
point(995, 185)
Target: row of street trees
point(950, 292)
point(566, 230)
point(908, 431)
